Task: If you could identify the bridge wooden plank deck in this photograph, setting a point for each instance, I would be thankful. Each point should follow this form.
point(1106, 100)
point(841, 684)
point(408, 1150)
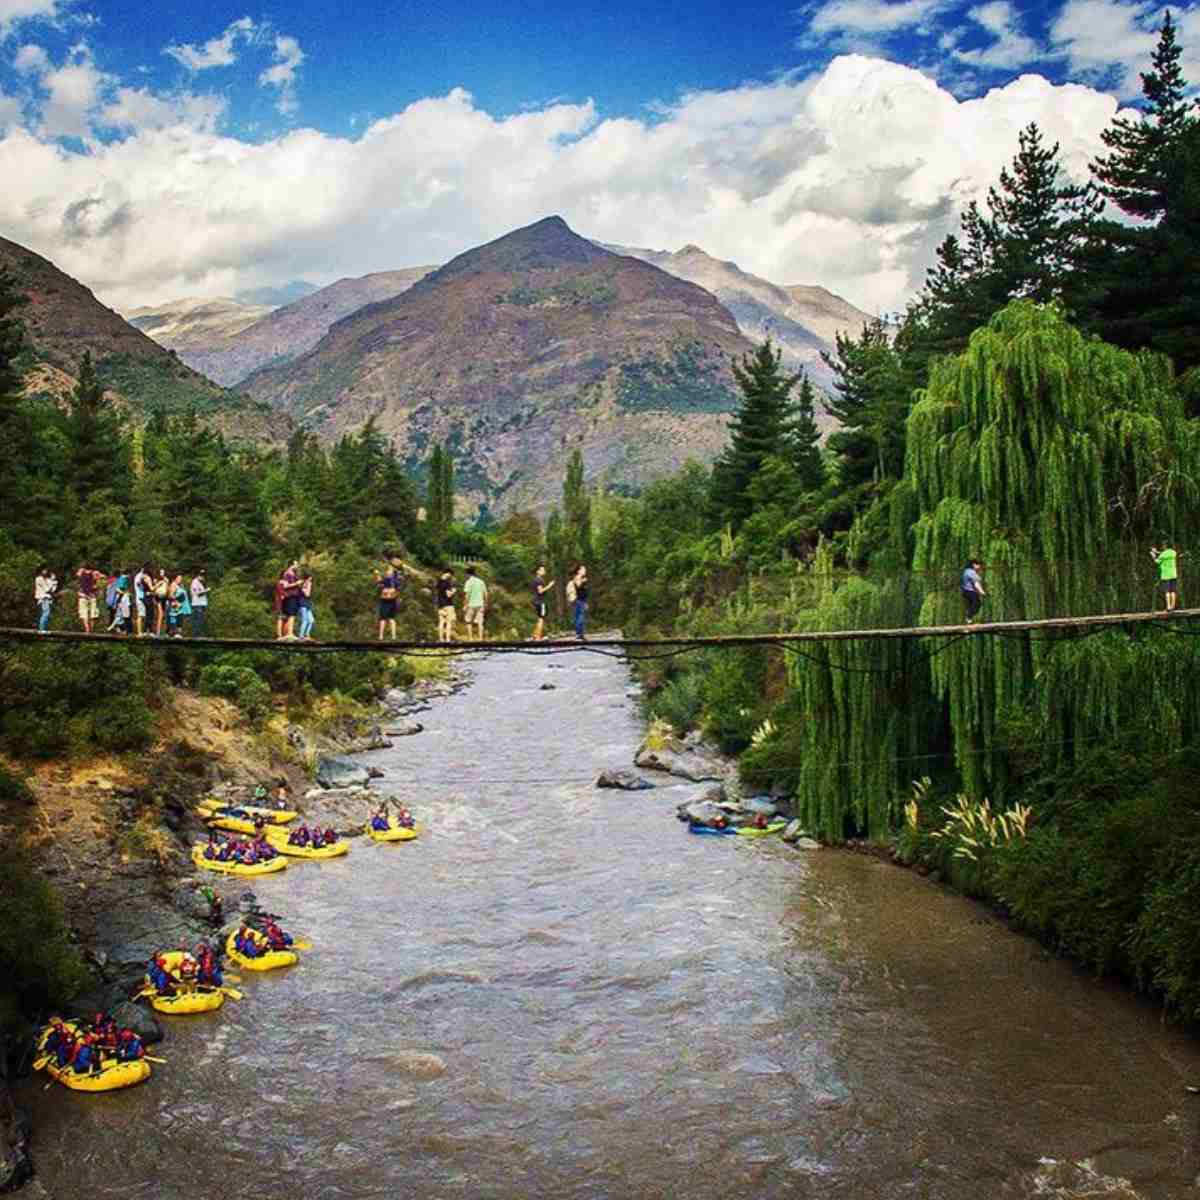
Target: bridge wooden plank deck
point(557, 645)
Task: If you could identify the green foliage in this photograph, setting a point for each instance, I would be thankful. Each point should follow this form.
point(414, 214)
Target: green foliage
point(14, 788)
point(39, 968)
point(241, 684)
point(689, 381)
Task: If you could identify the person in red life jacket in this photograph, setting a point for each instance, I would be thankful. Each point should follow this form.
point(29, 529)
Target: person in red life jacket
point(129, 1046)
point(298, 837)
point(64, 1052)
point(276, 938)
point(105, 1029)
point(330, 837)
point(760, 821)
point(208, 968)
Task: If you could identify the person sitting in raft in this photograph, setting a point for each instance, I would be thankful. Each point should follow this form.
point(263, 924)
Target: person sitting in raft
point(247, 944)
point(188, 968)
point(105, 1029)
point(58, 1036)
point(404, 819)
point(298, 837)
point(760, 821)
point(208, 968)
point(65, 1050)
point(329, 836)
point(380, 820)
point(87, 1056)
point(160, 980)
point(276, 938)
point(129, 1046)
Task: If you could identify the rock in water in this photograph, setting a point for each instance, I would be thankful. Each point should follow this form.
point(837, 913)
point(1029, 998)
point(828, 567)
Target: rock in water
point(341, 773)
point(406, 729)
point(704, 812)
point(415, 1062)
point(628, 781)
point(807, 843)
point(760, 804)
point(133, 1016)
point(793, 831)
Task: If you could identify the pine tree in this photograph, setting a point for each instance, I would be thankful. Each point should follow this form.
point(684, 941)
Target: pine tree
point(871, 400)
point(1033, 241)
point(99, 455)
point(577, 512)
point(439, 507)
point(758, 430)
point(805, 438)
point(1133, 175)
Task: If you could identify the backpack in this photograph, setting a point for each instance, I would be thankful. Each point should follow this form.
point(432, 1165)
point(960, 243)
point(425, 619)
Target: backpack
point(571, 593)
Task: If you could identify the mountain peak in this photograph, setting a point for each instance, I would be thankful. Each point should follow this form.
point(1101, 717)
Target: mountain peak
point(692, 249)
point(544, 245)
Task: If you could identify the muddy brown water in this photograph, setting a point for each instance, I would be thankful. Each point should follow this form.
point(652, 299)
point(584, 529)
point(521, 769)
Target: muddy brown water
point(558, 992)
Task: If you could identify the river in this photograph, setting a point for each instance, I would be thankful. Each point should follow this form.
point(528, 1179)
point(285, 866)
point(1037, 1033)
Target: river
point(558, 992)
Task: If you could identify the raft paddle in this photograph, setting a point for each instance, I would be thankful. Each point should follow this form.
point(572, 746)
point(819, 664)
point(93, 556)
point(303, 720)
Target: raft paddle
point(301, 944)
point(232, 993)
point(152, 1058)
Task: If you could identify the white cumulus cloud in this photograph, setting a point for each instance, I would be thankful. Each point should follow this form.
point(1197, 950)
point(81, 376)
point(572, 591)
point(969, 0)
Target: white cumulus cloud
point(282, 73)
point(848, 178)
point(220, 51)
point(30, 60)
point(871, 17)
point(14, 12)
point(73, 92)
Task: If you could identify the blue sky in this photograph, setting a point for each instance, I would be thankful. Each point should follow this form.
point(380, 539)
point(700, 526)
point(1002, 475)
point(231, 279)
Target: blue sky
point(170, 149)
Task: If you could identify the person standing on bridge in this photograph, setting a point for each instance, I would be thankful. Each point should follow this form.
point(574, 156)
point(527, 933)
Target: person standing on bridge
point(89, 600)
point(444, 593)
point(388, 584)
point(307, 619)
point(1167, 560)
point(578, 593)
point(44, 586)
point(475, 603)
point(199, 590)
point(971, 586)
point(540, 588)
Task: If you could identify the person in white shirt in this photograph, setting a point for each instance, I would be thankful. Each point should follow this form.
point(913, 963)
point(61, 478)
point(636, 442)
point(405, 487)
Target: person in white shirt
point(199, 590)
point(44, 587)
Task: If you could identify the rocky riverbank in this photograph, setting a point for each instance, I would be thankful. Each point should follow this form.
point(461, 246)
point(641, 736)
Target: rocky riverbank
point(114, 837)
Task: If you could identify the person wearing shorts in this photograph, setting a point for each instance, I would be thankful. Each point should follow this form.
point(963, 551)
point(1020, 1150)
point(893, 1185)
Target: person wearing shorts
point(89, 601)
point(540, 588)
point(445, 592)
point(290, 600)
point(1167, 560)
point(388, 583)
point(142, 585)
point(475, 601)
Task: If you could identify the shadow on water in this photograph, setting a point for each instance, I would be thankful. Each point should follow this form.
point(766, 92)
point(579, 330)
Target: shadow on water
point(556, 992)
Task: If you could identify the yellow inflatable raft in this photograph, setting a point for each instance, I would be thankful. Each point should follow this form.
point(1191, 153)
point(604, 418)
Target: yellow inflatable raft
point(192, 998)
point(279, 839)
point(393, 833)
point(233, 824)
point(273, 816)
point(235, 868)
point(113, 1073)
point(268, 961)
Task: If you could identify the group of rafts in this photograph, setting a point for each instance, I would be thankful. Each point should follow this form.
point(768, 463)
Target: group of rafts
point(269, 844)
point(97, 1056)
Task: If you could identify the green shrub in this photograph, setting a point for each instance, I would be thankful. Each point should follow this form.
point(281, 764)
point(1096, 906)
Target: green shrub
point(14, 788)
point(679, 703)
point(240, 684)
point(38, 965)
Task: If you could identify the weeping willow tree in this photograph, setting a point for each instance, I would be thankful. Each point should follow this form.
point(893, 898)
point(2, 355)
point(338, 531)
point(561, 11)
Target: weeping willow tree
point(1056, 460)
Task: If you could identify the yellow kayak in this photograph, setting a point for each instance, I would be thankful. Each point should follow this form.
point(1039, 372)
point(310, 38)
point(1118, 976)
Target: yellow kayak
point(235, 868)
point(279, 840)
point(113, 1073)
point(272, 816)
point(393, 833)
point(264, 962)
point(765, 831)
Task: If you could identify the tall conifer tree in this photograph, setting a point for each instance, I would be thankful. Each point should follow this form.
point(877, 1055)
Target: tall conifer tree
point(1133, 174)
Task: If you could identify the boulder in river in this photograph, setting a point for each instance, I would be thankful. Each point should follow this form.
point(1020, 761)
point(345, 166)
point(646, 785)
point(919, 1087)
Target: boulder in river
point(760, 804)
point(405, 729)
point(627, 781)
point(672, 756)
point(418, 1063)
point(704, 812)
point(341, 773)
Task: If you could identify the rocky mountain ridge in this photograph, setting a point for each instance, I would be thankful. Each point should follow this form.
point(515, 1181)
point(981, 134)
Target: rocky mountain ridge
point(518, 351)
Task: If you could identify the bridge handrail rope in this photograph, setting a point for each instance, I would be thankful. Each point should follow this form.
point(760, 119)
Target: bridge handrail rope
point(609, 644)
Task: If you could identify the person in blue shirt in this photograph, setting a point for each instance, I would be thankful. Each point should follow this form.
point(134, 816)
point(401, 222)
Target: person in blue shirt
point(971, 586)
